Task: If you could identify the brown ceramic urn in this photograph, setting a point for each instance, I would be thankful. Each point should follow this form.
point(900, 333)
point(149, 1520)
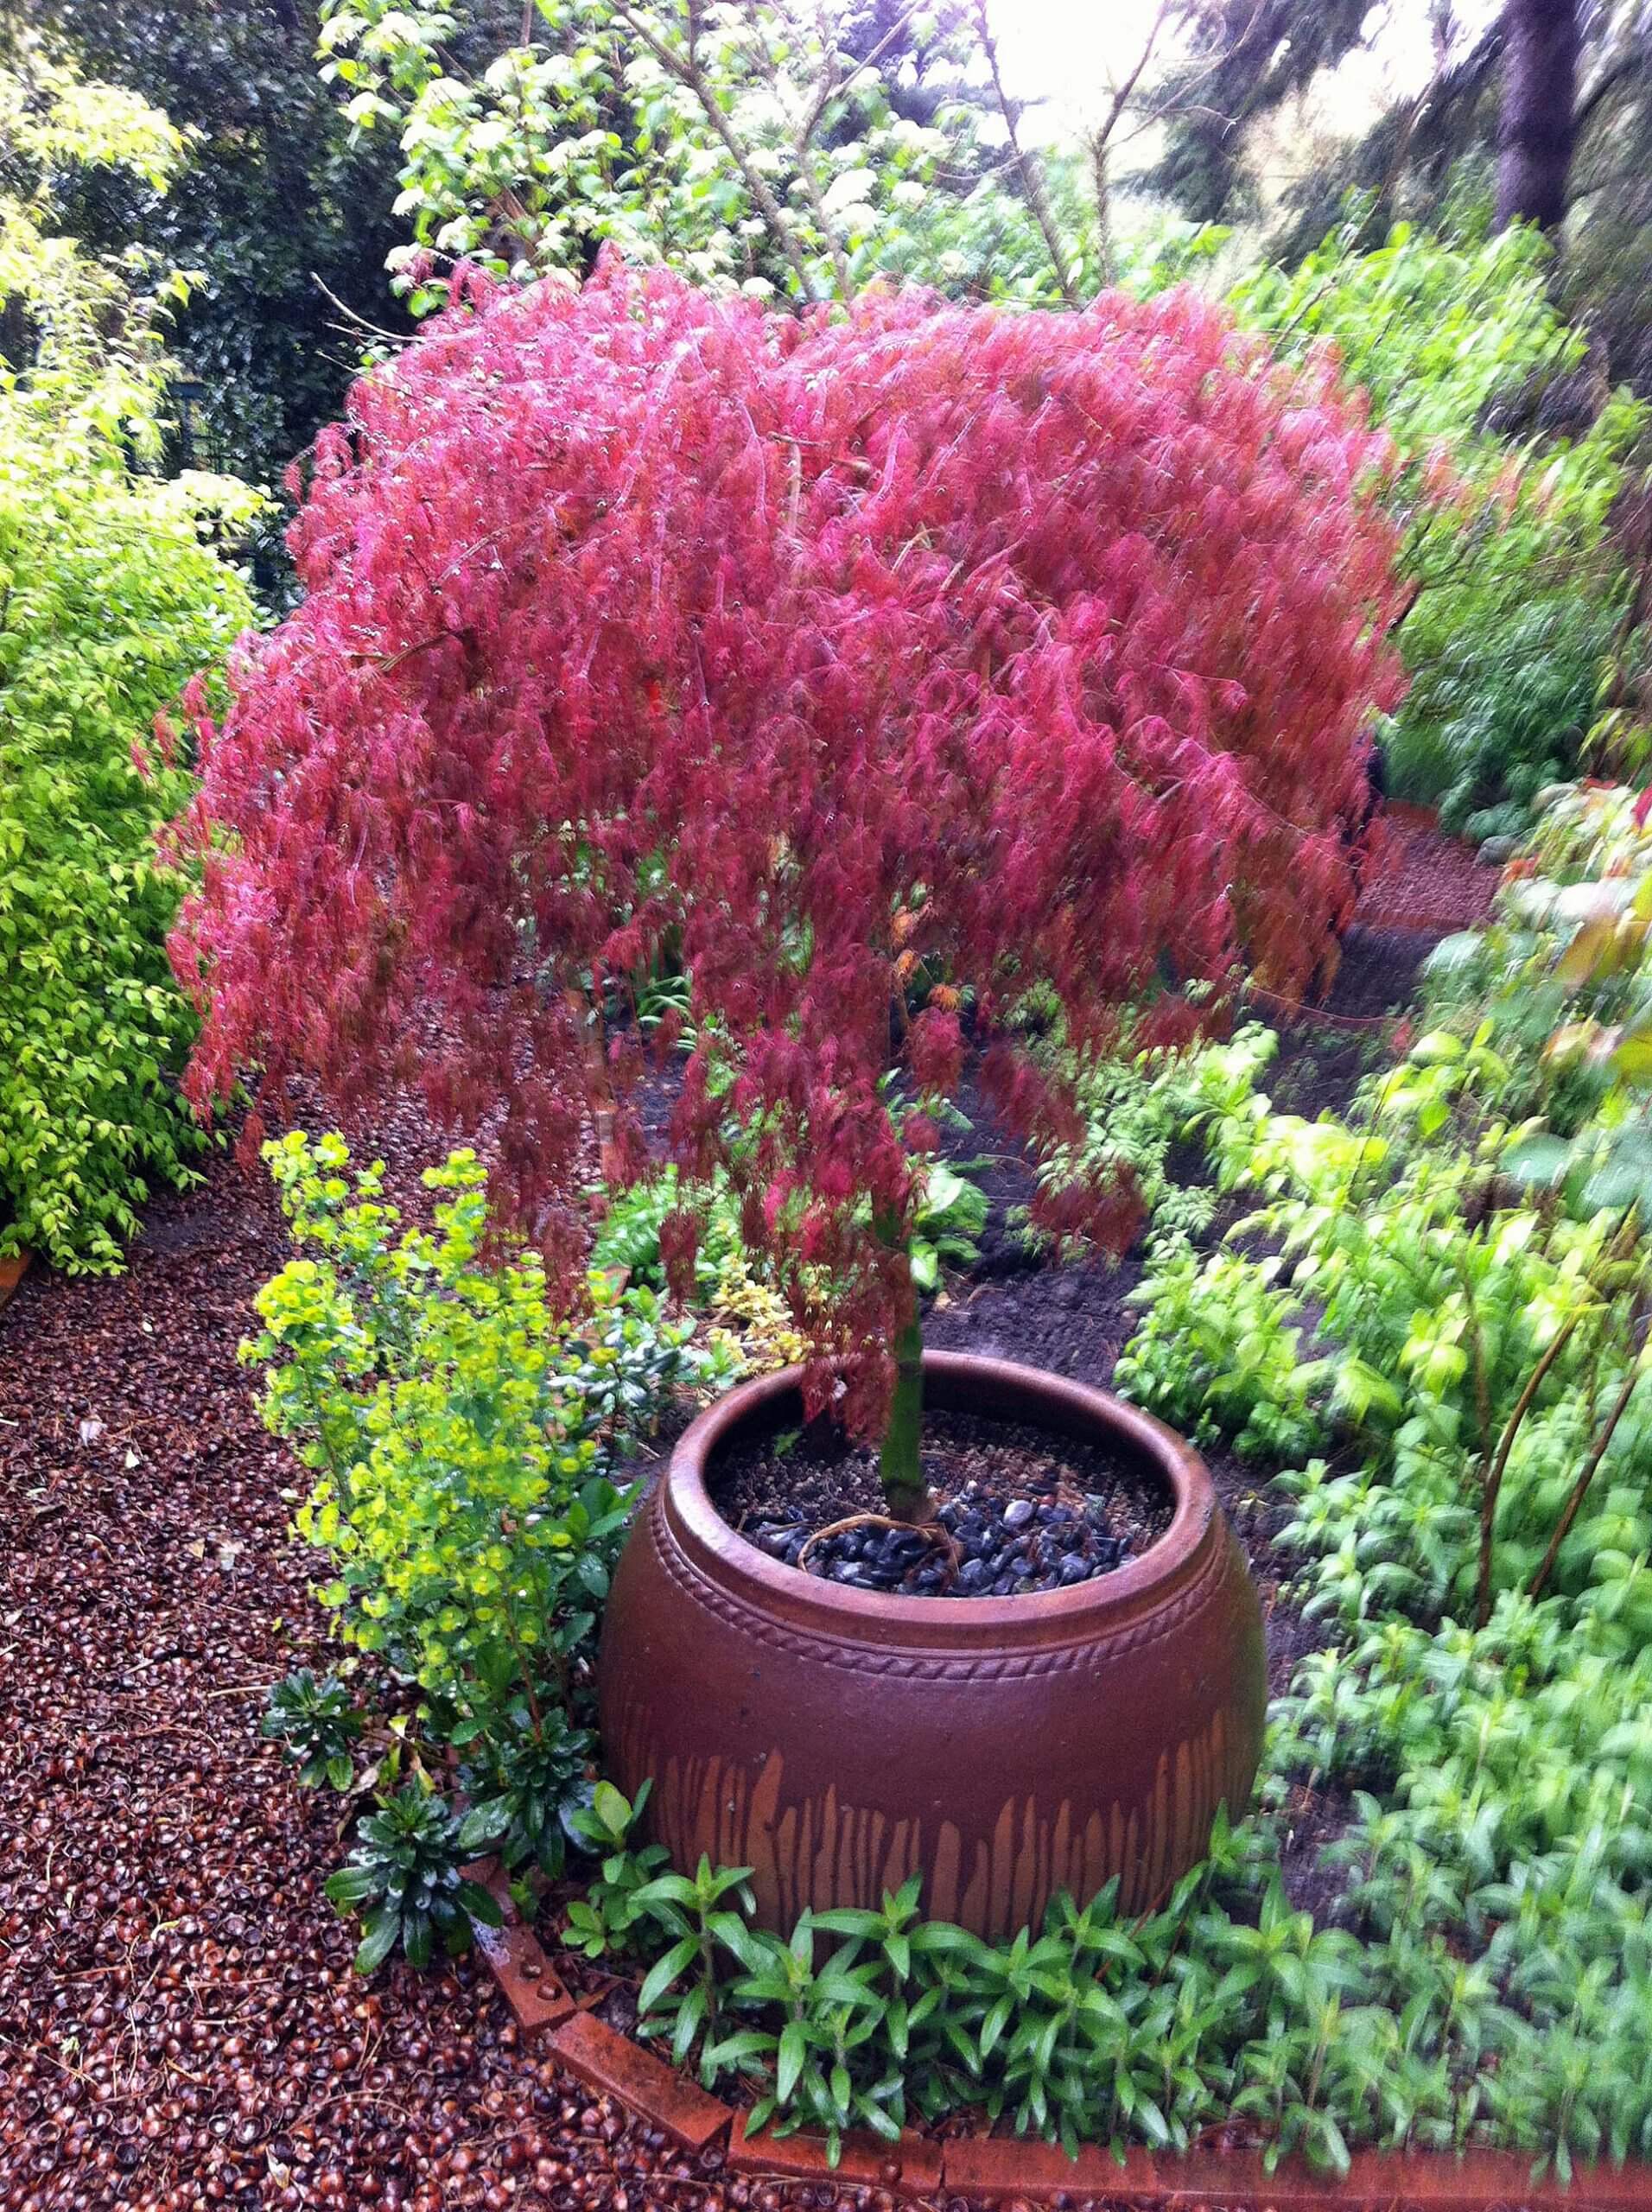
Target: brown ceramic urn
point(834, 1739)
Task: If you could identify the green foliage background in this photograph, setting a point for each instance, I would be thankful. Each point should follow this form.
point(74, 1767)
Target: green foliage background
point(272, 206)
point(1519, 585)
point(112, 596)
point(111, 602)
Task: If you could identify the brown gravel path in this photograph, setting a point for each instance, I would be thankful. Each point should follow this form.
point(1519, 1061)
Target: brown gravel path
point(179, 2023)
point(1420, 880)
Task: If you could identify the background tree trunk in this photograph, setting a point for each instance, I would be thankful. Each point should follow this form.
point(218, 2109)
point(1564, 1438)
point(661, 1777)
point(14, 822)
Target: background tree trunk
point(1539, 119)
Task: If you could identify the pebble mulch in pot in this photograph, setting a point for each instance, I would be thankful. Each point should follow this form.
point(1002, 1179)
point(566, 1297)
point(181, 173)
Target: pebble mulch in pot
point(1019, 1511)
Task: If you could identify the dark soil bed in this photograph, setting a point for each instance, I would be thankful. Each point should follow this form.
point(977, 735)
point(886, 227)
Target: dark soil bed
point(180, 2023)
point(1019, 1511)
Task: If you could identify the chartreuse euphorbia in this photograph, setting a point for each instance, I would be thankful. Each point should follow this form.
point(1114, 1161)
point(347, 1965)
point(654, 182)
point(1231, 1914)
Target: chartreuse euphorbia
point(462, 1436)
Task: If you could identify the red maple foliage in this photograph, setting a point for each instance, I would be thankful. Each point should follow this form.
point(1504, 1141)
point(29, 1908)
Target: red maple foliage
point(914, 643)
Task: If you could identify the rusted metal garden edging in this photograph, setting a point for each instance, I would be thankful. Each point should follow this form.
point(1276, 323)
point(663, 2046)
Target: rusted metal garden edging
point(995, 2170)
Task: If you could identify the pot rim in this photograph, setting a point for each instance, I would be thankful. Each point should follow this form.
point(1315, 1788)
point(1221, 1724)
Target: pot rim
point(1104, 1602)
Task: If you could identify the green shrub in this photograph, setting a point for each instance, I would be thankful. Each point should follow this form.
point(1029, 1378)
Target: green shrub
point(111, 596)
point(405, 1878)
point(1518, 585)
point(316, 1726)
point(467, 1443)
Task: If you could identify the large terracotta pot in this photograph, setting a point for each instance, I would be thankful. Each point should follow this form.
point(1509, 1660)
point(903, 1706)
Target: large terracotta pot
point(835, 1740)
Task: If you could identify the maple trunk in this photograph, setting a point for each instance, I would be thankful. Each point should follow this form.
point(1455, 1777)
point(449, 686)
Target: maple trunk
point(900, 1463)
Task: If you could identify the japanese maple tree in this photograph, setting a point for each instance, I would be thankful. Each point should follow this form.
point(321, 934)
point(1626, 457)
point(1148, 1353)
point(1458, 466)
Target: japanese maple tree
point(872, 664)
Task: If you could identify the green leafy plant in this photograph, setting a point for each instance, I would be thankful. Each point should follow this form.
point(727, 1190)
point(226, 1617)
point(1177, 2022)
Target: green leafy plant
point(946, 1230)
point(598, 872)
point(1475, 1532)
point(948, 1219)
point(403, 1878)
point(1220, 1352)
point(825, 2015)
point(113, 593)
point(603, 1920)
point(628, 1234)
point(464, 1441)
point(1138, 1105)
point(283, 227)
point(1517, 587)
point(528, 1781)
point(680, 1992)
point(1095, 2027)
point(316, 1724)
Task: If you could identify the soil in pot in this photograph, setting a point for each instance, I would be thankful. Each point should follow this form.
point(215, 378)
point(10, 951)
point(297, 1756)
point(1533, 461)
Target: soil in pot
point(1022, 1510)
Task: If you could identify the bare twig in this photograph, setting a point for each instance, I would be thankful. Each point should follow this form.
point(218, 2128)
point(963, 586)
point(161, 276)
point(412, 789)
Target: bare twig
point(1534, 1382)
point(359, 322)
point(1028, 167)
point(1102, 136)
point(803, 131)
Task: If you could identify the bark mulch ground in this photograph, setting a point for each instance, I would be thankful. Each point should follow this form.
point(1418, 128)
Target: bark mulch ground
point(1421, 881)
point(180, 2023)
